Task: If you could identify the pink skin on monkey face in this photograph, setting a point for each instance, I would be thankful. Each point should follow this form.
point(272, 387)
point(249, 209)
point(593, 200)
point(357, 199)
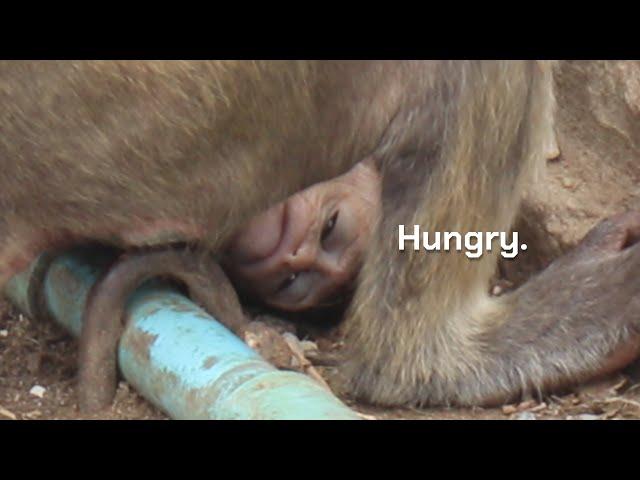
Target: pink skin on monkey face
point(308, 249)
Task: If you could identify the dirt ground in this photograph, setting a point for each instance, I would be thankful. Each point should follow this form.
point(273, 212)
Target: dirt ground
point(38, 369)
point(595, 173)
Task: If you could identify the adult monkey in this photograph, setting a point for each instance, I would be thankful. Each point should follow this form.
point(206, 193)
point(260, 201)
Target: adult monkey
point(173, 151)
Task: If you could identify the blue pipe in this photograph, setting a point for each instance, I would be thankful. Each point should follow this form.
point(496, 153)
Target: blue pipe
point(175, 354)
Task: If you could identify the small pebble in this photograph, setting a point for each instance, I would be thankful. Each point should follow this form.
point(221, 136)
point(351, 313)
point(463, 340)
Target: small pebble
point(37, 391)
point(366, 416)
point(586, 416)
point(525, 416)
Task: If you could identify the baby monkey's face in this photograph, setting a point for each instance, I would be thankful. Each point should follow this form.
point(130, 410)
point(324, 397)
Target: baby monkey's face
point(308, 249)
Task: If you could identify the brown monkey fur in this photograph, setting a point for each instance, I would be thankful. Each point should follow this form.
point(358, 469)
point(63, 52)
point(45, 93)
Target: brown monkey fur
point(145, 153)
point(205, 281)
point(139, 153)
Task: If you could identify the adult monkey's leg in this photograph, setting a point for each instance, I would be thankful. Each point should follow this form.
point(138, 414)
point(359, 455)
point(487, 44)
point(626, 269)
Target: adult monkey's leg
point(425, 331)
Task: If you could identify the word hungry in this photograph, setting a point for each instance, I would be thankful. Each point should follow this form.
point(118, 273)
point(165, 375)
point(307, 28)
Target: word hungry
point(475, 243)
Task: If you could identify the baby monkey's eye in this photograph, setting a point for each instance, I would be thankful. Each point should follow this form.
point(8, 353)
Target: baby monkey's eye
point(329, 226)
point(287, 282)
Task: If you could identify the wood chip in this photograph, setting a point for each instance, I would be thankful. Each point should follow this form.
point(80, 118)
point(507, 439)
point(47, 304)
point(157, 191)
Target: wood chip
point(526, 405)
point(618, 386)
point(539, 408)
point(7, 413)
point(296, 349)
point(611, 413)
point(625, 401)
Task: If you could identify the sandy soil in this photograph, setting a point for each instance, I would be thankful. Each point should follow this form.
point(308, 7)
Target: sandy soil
point(38, 368)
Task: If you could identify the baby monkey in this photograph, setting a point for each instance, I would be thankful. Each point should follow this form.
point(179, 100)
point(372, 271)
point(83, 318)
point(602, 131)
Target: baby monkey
point(307, 250)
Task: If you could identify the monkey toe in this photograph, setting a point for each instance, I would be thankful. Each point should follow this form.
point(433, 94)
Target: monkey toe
point(614, 233)
point(621, 357)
